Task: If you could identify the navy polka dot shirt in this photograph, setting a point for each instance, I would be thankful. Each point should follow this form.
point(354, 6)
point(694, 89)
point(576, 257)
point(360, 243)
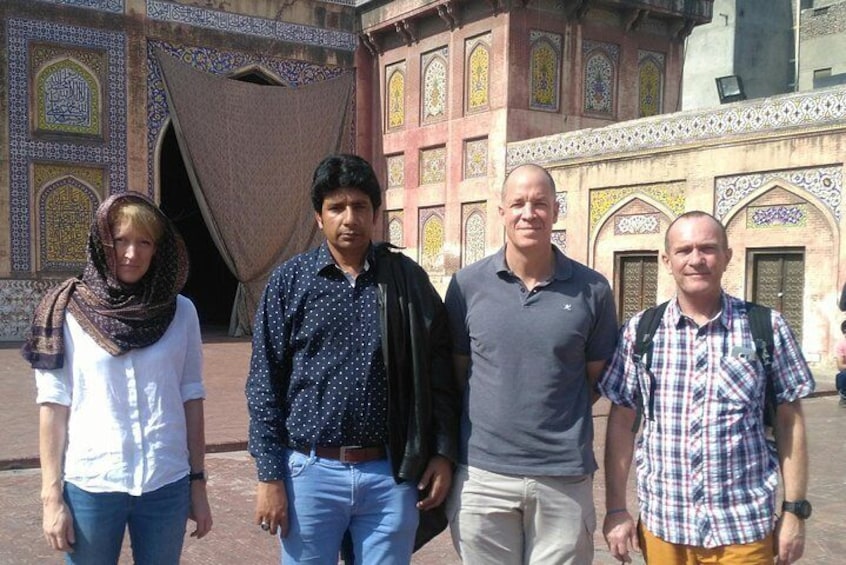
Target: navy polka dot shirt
point(317, 376)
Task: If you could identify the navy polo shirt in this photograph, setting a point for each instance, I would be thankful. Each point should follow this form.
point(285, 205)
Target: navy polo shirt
point(317, 376)
point(527, 404)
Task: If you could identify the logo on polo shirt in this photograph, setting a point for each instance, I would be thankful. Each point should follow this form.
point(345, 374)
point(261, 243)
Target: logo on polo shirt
point(568, 306)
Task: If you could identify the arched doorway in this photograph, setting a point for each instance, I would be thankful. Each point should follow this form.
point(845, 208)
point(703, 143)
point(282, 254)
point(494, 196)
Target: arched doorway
point(211, 286)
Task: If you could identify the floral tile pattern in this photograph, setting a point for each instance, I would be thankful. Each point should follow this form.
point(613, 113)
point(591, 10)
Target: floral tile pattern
point(636, 224)
point(474, 222)
point(603, 199)
point(790, 216)
point(162, 10)
point(24, 38)
point(824, 184)
point(545, 71)
point(396, 170)
point(779, 113)
point(396, 232)
point(434, 84)
point(433, 165)
point(478, 53)
point(431, 239)
point(476, 158)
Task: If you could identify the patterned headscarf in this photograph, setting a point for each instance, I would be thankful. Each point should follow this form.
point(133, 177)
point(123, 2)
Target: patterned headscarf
point(118, 316)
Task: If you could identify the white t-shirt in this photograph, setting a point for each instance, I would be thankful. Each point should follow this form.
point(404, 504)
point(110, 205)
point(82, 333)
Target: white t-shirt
point(126, 429)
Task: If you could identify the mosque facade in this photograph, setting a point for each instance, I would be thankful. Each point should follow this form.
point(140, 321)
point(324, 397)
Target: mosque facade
point(449, 96)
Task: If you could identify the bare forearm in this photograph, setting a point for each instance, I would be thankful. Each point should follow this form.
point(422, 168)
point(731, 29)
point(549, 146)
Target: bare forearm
point(52, 438)
point(619, 449)
point(792, 450)
point(195, 424)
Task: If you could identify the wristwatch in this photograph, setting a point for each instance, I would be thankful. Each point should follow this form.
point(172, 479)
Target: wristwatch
point(802, 508)
point(198, 476)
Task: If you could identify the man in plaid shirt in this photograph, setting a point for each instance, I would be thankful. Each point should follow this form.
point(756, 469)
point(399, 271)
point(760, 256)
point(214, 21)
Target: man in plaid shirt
point(706, 475)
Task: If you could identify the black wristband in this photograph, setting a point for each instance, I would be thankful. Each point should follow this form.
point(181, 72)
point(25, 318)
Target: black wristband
point(198, 476)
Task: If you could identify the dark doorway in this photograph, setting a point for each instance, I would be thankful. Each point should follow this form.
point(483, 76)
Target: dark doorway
point(211, 286)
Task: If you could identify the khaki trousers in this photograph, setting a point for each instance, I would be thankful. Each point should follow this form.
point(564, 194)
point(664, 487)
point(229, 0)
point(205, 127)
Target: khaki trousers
point(516, 520)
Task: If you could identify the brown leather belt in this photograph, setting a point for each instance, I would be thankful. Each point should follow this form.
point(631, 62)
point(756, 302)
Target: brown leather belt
point(347, 453)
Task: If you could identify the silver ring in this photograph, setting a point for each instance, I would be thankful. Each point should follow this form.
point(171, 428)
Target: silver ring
point(265, 526)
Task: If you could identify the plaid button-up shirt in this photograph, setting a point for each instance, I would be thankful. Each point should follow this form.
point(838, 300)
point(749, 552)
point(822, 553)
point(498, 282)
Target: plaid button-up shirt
point(706, 474)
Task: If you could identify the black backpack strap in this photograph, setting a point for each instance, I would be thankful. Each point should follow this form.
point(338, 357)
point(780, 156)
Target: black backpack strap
point(761, 325)
point(642, 350)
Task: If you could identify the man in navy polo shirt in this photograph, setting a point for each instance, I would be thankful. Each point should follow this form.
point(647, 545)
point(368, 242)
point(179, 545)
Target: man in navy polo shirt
point(353, 410)
point(532, 330)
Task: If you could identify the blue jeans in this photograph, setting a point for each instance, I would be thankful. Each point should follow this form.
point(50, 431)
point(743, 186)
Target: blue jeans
point(156, 523)
point(326, 498)
point(840, 383)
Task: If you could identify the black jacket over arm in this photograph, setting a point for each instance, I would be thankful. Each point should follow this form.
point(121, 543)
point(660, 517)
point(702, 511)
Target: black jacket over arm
point(423, 400)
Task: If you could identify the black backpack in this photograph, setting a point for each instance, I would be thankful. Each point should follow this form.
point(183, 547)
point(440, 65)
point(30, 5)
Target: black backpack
point(760, 323)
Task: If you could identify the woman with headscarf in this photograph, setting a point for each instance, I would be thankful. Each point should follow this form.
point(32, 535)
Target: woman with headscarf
point(118, 366)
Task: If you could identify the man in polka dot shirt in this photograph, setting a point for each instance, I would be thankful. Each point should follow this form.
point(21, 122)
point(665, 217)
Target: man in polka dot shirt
point(352, 402)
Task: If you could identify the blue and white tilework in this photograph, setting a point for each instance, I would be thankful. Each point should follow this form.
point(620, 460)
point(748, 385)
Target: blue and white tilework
point(825, 184)
point(794, 215)
point(18, 299)
point(251, 25)
point(561, 197)
point(288, 71)
point(636, 224)
point(779, 113)
point(114, 6)
point(23, 149)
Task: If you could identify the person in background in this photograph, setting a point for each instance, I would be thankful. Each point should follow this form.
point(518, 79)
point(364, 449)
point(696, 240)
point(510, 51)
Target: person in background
point(118, 366)
point(840, 355)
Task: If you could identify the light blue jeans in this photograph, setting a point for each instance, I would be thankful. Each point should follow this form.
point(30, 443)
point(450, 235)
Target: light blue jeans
point(327, 497)
point(156, 523)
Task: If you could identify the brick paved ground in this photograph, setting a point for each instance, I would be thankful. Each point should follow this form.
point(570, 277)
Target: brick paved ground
point(235, 539)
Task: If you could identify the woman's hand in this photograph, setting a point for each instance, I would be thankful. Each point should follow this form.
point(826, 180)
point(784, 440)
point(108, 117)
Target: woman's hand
point(200, 509)
point(57, 523)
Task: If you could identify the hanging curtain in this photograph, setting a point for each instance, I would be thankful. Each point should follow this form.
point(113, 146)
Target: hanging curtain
point(250, 151)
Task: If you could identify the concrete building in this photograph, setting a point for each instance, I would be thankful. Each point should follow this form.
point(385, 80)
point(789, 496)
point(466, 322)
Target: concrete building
point(822, 45)
point(753, 39)
point(759, 41)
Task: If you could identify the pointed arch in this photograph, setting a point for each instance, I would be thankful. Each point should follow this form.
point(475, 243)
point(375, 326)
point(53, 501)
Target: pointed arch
point(432, 241)
point(650, 78)
point(599, 81)
point(783, 184)
point(69, 99)
point(661, 207)
point(395, 98)
point(473, 236)
point(434, 85)
point(66, 208)
point(478, 78)
point(262, 73)
point(396, 235)
point(545, 74)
